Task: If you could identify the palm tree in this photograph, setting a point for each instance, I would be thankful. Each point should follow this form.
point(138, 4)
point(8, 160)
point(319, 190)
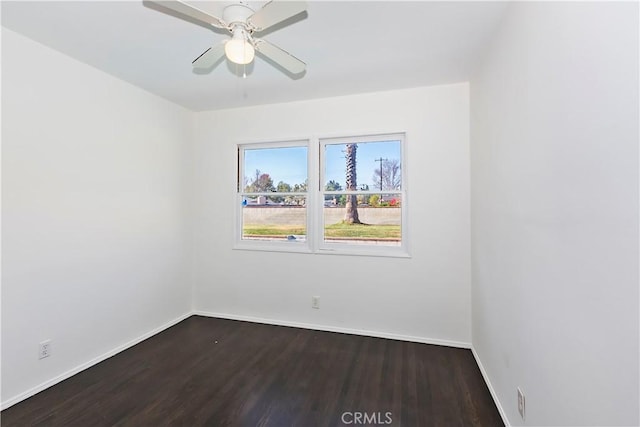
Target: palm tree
point(351, 215)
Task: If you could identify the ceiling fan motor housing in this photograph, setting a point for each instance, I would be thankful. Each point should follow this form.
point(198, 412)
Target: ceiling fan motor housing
point(237, 14)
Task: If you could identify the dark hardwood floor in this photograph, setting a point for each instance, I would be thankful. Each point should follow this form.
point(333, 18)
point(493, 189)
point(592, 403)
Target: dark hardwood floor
point(263, 375)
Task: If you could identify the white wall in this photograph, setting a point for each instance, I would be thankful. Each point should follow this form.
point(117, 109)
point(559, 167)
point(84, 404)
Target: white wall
point(554, 173)
point(95, 194)
point(97, 190)
point(425, 297)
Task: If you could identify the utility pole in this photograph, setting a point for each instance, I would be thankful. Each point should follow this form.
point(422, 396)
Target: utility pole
point(380, 160)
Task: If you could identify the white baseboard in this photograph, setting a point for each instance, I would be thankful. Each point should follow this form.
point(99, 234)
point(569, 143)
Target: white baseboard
point(503, 414)
point(316, 327)
point(40, 387)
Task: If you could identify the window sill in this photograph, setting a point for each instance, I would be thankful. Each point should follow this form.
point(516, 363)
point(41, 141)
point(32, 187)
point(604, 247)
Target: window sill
point(303, 248)
point(291, 247)
point(363, 252)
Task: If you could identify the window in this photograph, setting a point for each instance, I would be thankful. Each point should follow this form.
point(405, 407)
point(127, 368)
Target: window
point(335, 195)
point(362, 193)
point(272, 188)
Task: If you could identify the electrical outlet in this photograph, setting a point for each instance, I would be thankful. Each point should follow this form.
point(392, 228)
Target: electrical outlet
point(315, 302)
point(521, 403)
point(45, 349)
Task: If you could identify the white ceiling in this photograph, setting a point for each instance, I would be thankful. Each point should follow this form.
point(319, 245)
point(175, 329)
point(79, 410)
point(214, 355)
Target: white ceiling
point(349, 47)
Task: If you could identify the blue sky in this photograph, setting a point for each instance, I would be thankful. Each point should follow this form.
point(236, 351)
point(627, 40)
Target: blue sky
point(282, 164)
point(290, 164)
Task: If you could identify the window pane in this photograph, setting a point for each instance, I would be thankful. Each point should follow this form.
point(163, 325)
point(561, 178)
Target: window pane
point(379, 225)
point(273, 220)
point(281, 169)
point(372, 160)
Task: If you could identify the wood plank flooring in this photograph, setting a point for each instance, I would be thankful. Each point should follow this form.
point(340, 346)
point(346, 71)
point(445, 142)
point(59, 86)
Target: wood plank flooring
point(216, 372)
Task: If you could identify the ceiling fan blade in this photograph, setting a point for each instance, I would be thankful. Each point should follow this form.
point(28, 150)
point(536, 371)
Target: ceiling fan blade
point(280, 57)
point(193, 12)
point(209, 57)
point(274, 12)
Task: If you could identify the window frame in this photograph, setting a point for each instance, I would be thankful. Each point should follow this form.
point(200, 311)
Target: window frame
point(314, 242)
point(272, 245)
point(321, 246)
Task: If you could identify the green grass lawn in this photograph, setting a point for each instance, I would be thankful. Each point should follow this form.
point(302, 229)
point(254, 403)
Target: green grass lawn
point(273, 230)
point(367, 231)
point(339, 230)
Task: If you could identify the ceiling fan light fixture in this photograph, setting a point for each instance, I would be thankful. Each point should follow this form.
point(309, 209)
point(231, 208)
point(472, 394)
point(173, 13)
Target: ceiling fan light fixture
point(243, 21)
point(238, 49)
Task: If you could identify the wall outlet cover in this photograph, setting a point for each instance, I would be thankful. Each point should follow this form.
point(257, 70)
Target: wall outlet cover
point(521, 403)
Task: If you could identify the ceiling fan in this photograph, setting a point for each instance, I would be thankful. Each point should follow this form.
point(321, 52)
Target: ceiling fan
point(242, 22)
